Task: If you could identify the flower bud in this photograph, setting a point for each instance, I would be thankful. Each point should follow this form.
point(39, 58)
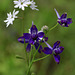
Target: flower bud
point(44, 29)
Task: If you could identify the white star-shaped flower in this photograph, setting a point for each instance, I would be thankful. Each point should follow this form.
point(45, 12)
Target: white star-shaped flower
point(33, 6)
point(11, 18)
point(21, 4)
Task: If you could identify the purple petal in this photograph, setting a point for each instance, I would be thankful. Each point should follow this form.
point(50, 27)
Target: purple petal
point(69, 20)
point(58, 50)
point(41, 34)
point(33, 30)
point(27, 37)
point(56, 44)
point(38, 39)
point(46, 38)
point(28, 48)
point(67, 25)
point(61, 49)
point(21, 39)
point(63, 16)
point(57, 58)
point(57, 13)
point(47, 50)
point(37, 45)
point(31, 41)
point(63, 23)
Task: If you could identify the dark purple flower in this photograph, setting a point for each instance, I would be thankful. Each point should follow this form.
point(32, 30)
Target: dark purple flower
point(38, 45)
point(56, 50)
point(33, 37)
point(63, 20)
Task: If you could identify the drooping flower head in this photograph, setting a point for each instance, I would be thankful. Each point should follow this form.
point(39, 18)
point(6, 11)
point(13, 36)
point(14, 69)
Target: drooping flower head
point(56, 50)
point(63, 20)
point(32, 38)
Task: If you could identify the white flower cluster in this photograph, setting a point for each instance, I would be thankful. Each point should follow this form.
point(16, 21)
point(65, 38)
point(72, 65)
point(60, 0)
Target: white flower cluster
point(21, 4)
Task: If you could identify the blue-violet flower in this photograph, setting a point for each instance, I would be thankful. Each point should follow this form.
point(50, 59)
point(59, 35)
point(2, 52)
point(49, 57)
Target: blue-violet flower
point(56, 50)
point(33, 38)
point(63, 20)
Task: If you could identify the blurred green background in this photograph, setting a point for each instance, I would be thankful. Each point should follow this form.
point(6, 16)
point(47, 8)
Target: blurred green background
point(10, 47)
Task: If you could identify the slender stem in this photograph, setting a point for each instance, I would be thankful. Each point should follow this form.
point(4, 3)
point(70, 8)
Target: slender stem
point(36, 51)
point(53, 27)
point(30, 53)
point(25, 47)
point(26, 52)
point(24, 40)
point(41, 58)
point(23, 21)
point(32, 60)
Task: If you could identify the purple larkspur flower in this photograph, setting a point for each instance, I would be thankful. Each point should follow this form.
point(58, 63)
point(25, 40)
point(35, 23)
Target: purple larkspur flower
point(56, 50)
point(63, 20)
point(33, 38)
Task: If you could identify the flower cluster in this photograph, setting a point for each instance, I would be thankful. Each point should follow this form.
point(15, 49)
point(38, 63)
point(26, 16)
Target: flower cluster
point(34, 37)
point(56, 50)
point(21, 4)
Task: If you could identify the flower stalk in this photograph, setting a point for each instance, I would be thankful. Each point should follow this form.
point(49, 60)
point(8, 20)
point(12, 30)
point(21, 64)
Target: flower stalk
point(41, 58)
point(30, 65)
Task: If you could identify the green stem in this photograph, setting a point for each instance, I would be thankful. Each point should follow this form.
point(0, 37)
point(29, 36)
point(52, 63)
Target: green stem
point(30, 53)
point(26, 52)
point(24, 39)
point(53, 27)
point(41, 58)
point(32, 60)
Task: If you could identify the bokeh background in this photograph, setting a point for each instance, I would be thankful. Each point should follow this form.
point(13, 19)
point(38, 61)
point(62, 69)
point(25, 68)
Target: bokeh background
point(10, 47)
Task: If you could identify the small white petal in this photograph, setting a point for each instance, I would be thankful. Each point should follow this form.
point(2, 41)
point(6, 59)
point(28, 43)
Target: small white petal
point(22, 8)
point(16, 6)
point(16, 12)
point(5, 20)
